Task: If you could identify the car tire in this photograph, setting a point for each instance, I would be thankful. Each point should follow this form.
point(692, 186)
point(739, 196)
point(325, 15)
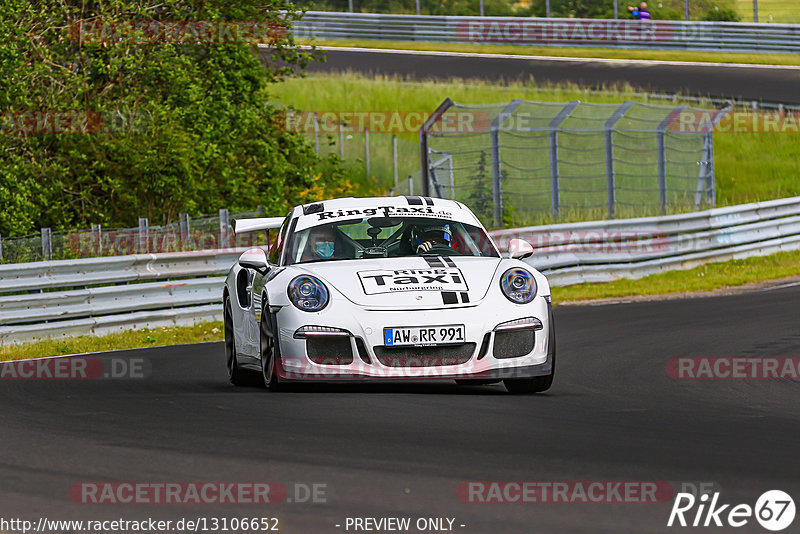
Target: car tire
point(536, 384)
point(269, 351)
point(236, 375)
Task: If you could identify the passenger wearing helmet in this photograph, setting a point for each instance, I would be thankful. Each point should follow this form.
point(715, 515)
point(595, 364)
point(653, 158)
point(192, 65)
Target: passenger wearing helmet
point(429, 237)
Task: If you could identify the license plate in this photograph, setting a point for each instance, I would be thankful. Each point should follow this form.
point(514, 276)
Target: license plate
point(417, 336)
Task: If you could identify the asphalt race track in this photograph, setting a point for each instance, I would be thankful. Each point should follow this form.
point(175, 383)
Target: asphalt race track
point(402, 449)
point(769, 84)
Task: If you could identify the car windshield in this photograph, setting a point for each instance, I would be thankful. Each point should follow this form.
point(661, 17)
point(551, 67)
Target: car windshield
point(385, 237)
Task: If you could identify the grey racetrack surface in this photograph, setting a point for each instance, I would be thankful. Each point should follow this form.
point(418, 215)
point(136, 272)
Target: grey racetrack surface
point(402, 449)
point(746, 83)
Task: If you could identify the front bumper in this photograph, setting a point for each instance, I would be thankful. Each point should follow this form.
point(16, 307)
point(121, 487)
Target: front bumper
point(366, 358)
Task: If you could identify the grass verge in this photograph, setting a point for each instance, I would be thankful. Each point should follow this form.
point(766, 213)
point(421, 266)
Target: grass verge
point(567, 52)
point(708, 277)
point(131, 339)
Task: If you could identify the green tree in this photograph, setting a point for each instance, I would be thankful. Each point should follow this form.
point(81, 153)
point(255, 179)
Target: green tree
point(175, 124)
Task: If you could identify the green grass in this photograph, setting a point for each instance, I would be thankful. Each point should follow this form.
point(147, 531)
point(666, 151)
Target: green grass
point(710, 276)
point(131, 339)
point(749, 167)
point(777, 11)
point(584, 52)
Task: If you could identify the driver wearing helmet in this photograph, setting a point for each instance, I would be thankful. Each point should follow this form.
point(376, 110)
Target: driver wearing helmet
point(429, 237)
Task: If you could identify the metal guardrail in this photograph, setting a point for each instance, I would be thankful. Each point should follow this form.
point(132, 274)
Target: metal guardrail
point(136, 291)
point(53, 298)
point(656, 34)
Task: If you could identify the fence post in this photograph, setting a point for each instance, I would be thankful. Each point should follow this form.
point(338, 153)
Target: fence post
point(755, 10)
point(47, 244)
point(497, 186)
point(1, 247)
point(483, 13)
point(611, 187)
point(410, 186)
point(686, 9)
point(341, 140)
point(662, 156)
point(184, 228)
point(616, 9)
point(223, 228)
point(394, 157)
point(97, 230)
point(144, 234)
point(316, 134)
point(555, 201)
point(366, 151)
point(423, 143)
point(547, 8)
point(350, 5)
point(419, 12)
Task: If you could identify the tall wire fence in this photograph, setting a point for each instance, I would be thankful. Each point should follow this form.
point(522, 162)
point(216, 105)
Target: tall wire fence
point(525, 162)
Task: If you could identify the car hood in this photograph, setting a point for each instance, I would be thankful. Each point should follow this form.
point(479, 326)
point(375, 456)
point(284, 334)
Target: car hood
point(415, 282)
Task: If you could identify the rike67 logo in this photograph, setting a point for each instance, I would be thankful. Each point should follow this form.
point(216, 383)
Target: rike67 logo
point(774, 510)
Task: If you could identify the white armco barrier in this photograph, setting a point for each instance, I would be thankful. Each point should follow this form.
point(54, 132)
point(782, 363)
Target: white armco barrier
point(102, 295)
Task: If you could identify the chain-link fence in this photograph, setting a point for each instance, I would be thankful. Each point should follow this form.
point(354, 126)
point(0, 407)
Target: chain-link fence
point(378, 157)
point(187, 234)
point(513, 163)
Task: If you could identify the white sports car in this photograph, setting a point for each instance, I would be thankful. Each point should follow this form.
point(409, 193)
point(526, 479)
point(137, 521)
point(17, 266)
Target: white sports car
point(385, 289)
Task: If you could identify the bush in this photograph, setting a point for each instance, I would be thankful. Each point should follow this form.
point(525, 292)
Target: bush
point(173, 127)
point(722, 15)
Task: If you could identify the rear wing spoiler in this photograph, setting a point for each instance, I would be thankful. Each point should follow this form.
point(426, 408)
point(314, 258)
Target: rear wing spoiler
point(242, 226)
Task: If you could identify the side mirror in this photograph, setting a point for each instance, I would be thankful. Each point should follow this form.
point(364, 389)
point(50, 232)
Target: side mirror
point(255, 259)
point(519, 249)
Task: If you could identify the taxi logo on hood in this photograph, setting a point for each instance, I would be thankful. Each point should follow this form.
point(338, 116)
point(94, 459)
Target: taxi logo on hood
point(433, 279)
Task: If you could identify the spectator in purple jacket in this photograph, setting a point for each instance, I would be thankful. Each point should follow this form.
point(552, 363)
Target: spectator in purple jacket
point(641, 12)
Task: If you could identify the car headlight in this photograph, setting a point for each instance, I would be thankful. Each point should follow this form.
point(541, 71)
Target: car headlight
point(308, 293)
point(518, 285)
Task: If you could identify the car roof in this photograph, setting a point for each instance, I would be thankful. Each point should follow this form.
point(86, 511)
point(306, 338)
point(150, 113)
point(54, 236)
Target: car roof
point(341, 209)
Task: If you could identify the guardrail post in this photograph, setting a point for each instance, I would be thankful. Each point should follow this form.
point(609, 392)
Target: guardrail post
point(394, 157)
point(609, 141)
point(184, 227)
point(144, 234)
point(224, 221)
point(555, 201)
point(47, 244)
point(366, 151)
